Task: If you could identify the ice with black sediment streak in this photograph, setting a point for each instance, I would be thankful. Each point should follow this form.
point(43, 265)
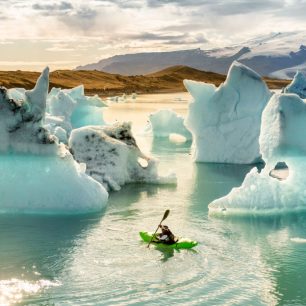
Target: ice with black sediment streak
point(39, 176)
point(21, 128)
point(113, 158)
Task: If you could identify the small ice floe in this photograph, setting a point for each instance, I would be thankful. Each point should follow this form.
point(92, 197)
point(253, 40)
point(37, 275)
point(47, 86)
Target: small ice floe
point(165, 123)
point(113, 157)
point(298, 240)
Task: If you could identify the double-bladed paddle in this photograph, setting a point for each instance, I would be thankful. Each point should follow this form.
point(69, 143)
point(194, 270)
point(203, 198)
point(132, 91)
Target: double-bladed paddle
point(166, 214)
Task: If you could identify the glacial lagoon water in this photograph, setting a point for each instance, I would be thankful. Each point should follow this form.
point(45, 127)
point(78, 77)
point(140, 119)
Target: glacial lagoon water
point(99, 259)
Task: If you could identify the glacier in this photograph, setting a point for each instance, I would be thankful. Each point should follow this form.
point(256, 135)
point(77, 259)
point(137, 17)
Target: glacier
point(297, 86)
point(38, 175)
point(113, 158)
point(165, 122)
point(282, 141)
point(225, 121)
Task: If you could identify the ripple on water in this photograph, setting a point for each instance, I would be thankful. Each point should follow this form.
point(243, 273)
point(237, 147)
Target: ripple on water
point(14, 290)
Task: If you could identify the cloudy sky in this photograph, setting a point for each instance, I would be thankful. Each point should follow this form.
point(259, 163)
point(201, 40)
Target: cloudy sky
point(68, 33)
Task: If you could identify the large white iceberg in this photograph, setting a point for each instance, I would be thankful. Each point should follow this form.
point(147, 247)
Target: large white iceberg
point(112, 156)
point(298, 85)
point(165, 122)
point(37, 174)
point(225, 121)
point(282, 140)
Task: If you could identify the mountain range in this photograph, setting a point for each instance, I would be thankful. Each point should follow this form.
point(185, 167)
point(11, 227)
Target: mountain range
point(277, 55)
point(106, 84)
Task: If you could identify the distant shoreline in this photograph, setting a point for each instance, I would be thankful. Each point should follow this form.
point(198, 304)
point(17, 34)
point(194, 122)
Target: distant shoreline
point(169, 80)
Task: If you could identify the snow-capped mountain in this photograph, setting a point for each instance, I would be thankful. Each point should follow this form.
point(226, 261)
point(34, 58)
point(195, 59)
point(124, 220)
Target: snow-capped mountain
point(277, 55)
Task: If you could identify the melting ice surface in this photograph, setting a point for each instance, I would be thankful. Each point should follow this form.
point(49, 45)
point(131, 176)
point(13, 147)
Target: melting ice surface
point(282, 139)
point(225, 121)
point(69, 109)
point(165, 122)
point(297, 86)
point(113, 157)
point(37, 174)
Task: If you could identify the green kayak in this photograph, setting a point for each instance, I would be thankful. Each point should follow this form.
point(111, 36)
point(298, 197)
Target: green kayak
point(182, 243)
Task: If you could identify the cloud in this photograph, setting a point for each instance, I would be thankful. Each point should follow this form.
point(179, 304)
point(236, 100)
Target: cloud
point(83, 18)
point(113, 27)
point(35, 63)
point(180, 39)
point(152, 36)
point(60, 47)
point(223, 7)
point(5, 42)
point(158, 3)
point(125, 4)
point(53, 8)
point(73, 16)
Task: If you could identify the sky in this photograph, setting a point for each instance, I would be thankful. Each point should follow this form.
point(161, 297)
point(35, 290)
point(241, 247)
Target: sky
point(68, 33)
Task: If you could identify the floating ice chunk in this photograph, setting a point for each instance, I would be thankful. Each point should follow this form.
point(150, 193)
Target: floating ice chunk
point(298, 85)
point(261, 194)
point(37, 174)
point(283, 126)
point(281, 140)
point(35, 184)
point(298, 240)
point(225, 122)
point(165, 122)
point(70, 108)
point(112, 156)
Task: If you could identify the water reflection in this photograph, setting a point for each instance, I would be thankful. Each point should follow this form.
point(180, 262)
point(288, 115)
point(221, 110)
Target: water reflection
point(212, 181)
point(37, 249)
point(162, 145)
point(284, 259)
point(133, 193)
point(166, 252)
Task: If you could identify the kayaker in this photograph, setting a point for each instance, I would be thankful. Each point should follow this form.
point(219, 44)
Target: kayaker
point(166, 236)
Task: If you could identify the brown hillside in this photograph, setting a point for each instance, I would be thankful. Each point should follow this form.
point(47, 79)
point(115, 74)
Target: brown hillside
point(102, 83)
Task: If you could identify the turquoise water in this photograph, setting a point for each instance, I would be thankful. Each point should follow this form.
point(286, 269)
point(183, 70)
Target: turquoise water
point(100, 260)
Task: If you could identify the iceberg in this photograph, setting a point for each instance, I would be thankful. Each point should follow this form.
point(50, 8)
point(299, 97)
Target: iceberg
point(225, 121)
point(165, 122)
point(20, 120)
point(70, 108)
point(282, 144)
point(113, 158)
point(297, 86)
point(39, 176)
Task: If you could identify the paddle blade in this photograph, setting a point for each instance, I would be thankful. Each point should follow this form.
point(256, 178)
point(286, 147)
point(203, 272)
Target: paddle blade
point(166, 214)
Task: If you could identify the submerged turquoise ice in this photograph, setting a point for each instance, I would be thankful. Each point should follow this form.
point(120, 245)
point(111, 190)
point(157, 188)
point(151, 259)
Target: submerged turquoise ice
point(99, 260)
